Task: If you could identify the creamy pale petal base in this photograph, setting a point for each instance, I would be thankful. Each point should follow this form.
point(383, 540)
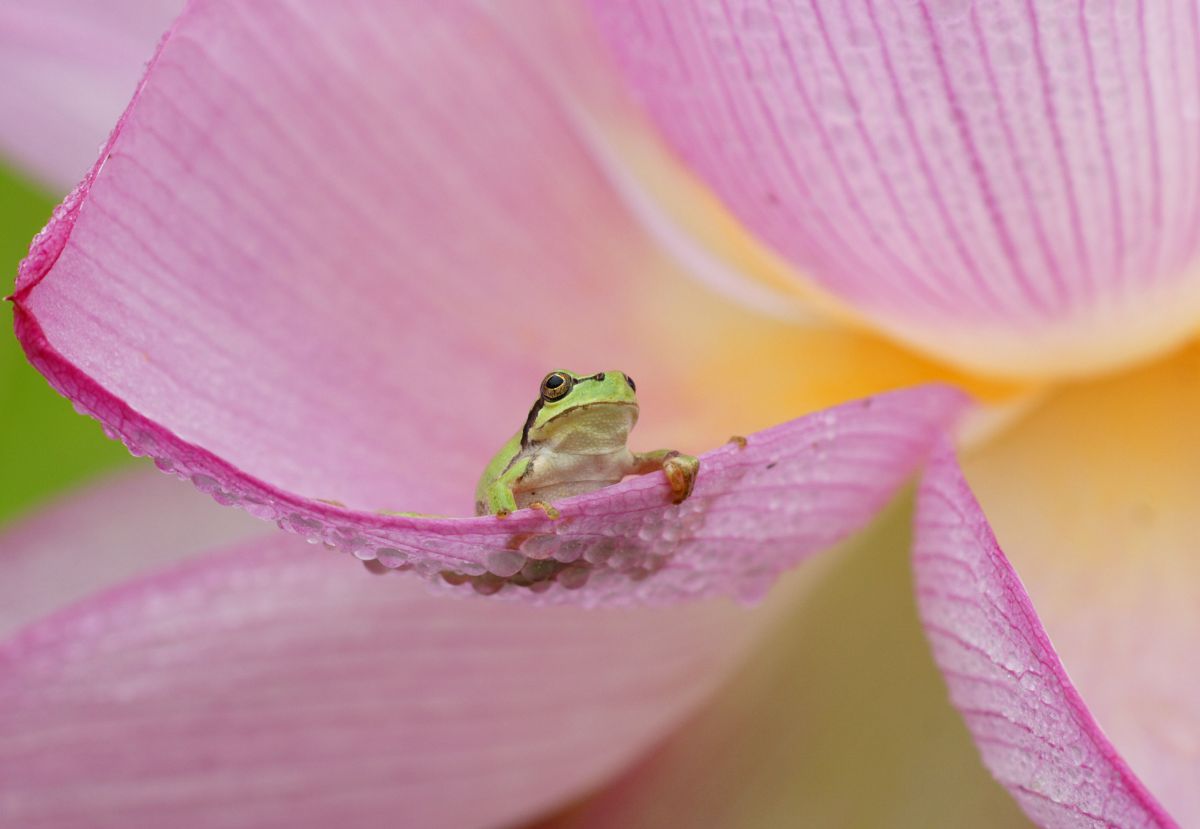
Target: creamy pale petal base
point(272, 685)
point(69, 67)
point(1010, 186)
point(1093, 499)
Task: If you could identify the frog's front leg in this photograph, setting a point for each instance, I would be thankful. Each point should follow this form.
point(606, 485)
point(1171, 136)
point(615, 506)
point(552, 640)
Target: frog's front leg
point(679, 468)
point(500, 498)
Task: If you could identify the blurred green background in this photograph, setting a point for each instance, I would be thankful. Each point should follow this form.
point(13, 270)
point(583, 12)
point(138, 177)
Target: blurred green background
point(46, 447)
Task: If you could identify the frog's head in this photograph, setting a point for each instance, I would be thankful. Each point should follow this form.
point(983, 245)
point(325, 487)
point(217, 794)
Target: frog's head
point(600, 407)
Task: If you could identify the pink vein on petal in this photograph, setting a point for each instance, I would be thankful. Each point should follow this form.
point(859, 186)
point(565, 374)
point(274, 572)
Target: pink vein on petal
point(1034, 731)
point(264, 685)
point(1019, 142)
point(265, 285)
point(792, 491)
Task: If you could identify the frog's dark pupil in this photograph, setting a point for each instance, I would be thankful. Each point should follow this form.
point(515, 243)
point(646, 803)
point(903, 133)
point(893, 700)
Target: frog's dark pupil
point(632, 385)
point(555, 381)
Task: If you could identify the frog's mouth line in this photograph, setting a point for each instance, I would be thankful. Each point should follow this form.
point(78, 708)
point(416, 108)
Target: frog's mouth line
point(585, 406)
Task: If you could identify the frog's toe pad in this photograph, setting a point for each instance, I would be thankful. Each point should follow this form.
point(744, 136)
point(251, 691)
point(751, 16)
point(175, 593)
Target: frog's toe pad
point(681, 474)
point(551, 512)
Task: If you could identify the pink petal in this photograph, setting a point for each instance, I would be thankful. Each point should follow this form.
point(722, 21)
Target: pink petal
point(273, 686)
point(69, 66)
point(134, 522)
point(1034, 730)
point(1094, 500)
point(1007, 185)
point(837, 718)
point(756, 510)
point(335, 265)
point(328, 272)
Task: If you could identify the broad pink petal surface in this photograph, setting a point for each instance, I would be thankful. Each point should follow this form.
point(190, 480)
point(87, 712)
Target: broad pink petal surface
point(69, 69)
point(134, 522)
point(1011, 185)
point(326, 241)
point(272, 685)
point(1034, 730)
point(322, 273)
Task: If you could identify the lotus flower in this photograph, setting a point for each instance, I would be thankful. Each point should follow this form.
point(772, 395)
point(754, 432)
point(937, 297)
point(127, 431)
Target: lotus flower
point(329, 248)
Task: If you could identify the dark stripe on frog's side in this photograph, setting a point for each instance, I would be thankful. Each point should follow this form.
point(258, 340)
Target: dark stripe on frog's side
point(529, 421)
point(537, 407)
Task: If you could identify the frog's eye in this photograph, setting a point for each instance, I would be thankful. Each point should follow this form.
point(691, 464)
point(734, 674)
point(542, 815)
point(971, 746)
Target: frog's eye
point(632, 385)
point(556, 385)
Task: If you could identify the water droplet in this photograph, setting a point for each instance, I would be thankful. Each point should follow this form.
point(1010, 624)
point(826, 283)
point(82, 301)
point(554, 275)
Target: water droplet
point(260, 510)
point(599, 552)
point(539, 546)
point(389, 556)
point(505, 563)
point(205, 483)
point(487, 584)
point(574, 578)
point(299, 520)
point(538, 571)
point(569, 551)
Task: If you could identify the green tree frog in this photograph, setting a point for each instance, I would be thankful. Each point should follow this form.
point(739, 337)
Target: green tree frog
point(573, 441)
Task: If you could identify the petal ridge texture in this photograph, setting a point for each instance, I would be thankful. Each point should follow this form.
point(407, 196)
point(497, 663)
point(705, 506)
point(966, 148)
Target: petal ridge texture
point(262, 685)
point(1009, 185)
point(1034, 731)
point(266, 286)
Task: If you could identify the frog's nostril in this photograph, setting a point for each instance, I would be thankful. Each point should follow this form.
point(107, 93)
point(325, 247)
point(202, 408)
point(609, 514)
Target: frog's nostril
point(632, 385)
point(600, 376)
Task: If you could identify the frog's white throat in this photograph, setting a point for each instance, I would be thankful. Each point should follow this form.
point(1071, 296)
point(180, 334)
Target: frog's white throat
point(591, 429)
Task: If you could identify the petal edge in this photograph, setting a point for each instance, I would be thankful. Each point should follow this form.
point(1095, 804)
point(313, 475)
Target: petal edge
point(1033, 729)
